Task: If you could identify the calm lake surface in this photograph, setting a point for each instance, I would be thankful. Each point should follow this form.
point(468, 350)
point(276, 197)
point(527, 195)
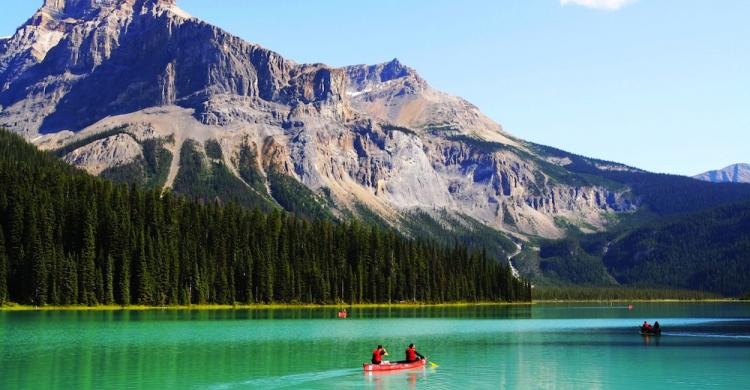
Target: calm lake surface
point(580, 346)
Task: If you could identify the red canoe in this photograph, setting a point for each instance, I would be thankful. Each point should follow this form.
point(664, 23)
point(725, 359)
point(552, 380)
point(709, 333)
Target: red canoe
point(394, 366)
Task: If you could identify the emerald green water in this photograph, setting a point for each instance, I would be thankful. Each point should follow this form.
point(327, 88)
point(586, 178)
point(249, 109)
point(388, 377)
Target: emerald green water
point(704, 345)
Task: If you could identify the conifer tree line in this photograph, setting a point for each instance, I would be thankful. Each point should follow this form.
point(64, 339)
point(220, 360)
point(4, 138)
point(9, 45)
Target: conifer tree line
point(67, 238)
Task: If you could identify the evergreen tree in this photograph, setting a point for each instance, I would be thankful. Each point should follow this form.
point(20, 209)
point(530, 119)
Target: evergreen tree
point(88, 261)
point(69, 281)
point(109, 281)
point(142, 279)
point(3, 269)
point(15, 243)
point(123, 281)
point(37, 256)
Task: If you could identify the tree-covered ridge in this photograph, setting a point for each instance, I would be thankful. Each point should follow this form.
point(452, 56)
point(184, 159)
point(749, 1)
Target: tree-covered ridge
point(662, 194)
point(149, 171)
point(70, 238)
point(707, 251)
point(61, 152)
point(443, 226)
point(205, 178)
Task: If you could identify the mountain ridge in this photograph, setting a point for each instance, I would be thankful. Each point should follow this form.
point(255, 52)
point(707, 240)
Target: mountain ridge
point(735, 173)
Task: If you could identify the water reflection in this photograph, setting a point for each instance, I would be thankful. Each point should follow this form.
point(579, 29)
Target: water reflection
point(649, 340)
point(396, 379)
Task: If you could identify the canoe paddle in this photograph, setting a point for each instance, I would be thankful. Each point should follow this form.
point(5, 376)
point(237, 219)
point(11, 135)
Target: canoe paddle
point(433, 364)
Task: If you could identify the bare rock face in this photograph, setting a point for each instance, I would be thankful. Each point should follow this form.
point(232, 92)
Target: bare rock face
point(377, 136)
point(396, 94)
point(736, 173)
point(146, 53)
point(109, 152)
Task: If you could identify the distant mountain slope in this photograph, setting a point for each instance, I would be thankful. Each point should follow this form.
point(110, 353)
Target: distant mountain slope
point(736, 173)
point(707, 251)
point(662, 194)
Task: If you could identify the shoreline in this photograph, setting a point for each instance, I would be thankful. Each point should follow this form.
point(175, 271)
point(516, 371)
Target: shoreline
point(659, 300)
point(27, 308)
point(272, 306)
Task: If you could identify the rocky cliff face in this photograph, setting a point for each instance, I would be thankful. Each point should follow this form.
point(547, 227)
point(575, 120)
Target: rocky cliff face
point(736, 173)
point(378, 137)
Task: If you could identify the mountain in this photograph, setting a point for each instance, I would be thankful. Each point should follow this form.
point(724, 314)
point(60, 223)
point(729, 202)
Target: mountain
point(138, 91)
point(737, 173)
point(109, 76)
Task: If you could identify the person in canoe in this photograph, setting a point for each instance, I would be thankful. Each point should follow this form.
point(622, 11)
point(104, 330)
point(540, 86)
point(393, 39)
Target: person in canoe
point(648, 330)
point(412, 354)
point(377, 355)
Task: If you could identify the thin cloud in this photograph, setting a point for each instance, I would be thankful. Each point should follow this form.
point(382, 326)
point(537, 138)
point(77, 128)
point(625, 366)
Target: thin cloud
point(609, 5)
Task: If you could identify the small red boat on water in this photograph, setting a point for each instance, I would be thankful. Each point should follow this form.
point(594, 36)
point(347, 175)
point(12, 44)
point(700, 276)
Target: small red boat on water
point(394, 366)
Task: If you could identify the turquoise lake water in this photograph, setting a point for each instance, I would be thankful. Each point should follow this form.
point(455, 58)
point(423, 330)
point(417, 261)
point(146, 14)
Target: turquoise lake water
point(557, 346)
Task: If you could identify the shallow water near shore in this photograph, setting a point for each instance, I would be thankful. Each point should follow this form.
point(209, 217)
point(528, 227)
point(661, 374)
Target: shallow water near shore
point(535, 346)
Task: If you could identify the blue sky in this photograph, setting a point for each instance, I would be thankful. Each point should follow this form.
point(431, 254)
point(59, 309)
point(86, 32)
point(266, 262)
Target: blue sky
point(659, 84)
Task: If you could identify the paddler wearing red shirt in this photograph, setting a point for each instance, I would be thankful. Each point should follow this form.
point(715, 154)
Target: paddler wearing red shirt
point(377, 354)
point(411, 354)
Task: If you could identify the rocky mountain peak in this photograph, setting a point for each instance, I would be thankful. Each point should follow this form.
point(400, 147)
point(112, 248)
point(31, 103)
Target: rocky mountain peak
point(84, 8)
point(393, 70)
point(77, 9)
point(360, 76)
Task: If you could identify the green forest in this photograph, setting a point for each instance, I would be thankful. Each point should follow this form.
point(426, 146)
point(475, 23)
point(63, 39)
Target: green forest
point(603, 294)
point(705, 251)
point(688, 235)
point(67, 238)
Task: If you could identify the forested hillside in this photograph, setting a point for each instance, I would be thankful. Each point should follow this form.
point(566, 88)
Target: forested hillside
point(707, 251)
point(70, 238)
point(661, 194)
